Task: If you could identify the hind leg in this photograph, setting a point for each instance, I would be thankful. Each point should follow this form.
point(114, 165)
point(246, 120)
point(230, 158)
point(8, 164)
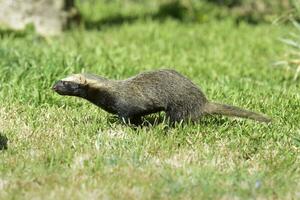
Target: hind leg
point(179, 115)
point(175, 116)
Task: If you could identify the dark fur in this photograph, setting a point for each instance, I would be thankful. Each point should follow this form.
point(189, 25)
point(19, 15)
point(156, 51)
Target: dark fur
point(150, 92)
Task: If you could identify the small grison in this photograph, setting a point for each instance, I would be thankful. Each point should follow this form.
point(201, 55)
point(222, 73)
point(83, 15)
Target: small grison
point(149, 92)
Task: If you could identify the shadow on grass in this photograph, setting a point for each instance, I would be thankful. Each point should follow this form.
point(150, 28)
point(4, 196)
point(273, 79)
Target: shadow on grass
point(3, 142)
point(12, 33)
point(116, 20)
point(154, 120)
point(147, 121)
point(172, 10)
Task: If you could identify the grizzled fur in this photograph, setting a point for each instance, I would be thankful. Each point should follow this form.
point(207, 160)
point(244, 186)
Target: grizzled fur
point(146, 93)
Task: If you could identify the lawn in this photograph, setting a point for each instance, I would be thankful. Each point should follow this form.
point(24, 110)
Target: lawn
point(66, 148)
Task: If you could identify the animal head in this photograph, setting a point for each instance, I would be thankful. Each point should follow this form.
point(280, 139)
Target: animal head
point(74, 85)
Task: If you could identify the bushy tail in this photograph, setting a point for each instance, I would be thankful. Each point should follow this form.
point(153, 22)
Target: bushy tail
point(223, 109)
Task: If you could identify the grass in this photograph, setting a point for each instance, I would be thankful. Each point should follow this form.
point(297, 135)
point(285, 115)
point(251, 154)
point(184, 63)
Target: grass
point(65, 148)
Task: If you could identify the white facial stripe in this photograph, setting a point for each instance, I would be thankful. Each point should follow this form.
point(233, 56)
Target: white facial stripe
point(75, 78)
point(70, 79)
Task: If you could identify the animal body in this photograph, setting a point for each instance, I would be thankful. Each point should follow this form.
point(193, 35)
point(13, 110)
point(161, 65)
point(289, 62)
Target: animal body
point(149, 92)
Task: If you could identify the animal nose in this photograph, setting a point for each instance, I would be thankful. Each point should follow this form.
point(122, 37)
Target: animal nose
point(56, 85)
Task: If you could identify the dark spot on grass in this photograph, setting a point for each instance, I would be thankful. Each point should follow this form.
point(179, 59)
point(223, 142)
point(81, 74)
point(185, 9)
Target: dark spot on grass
point(3, 142)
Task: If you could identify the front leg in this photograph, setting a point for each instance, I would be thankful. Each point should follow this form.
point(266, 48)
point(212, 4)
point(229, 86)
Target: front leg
point(135, 120)
point(130, 115)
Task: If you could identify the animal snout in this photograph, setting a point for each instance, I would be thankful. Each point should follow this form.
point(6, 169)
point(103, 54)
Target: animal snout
point(57, 85)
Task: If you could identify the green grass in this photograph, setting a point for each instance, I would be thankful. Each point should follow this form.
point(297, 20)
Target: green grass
point(65, 148)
